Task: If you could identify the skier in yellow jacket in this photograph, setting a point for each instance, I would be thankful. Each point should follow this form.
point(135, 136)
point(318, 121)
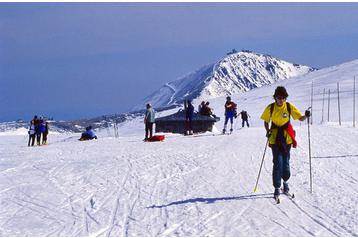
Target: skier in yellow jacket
point(281, 136)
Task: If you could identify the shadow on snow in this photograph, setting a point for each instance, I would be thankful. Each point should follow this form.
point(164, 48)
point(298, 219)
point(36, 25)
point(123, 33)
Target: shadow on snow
point(213, 200)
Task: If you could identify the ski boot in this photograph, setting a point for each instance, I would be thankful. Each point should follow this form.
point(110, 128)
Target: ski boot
point(286, 189)
point(224, 130)
point(231, 131)
point(276, 195)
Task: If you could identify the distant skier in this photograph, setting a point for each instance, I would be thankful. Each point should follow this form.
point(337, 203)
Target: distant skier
point(39, 129)
point(189, 113)
point(149, 119)
point(244, 117)
point(45, 132)
point(89, 134)
point(230, 113)
point(281, 136)
point(32, 133)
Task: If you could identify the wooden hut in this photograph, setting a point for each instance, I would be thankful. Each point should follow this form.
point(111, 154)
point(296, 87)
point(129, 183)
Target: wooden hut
point(175, 123)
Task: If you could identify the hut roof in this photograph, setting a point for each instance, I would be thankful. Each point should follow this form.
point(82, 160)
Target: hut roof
point(180, 116)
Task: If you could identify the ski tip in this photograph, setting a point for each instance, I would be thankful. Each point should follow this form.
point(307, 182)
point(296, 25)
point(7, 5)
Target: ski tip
point(255, 189)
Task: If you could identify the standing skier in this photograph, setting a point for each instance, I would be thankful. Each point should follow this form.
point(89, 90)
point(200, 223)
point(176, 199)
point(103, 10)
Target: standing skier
point(149, 119)
point(230, 113)
point(31, 133)
point(45, 133)
point(244, 117)
point(281, 136)
point(189, 113)
point(38, 129)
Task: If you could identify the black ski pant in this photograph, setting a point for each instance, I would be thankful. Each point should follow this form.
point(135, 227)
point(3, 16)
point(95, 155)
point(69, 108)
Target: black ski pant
point(31, 140)
point(44, 137)
point(148, 129)
point(189, 124)
point(243, 122)
point(38, 138)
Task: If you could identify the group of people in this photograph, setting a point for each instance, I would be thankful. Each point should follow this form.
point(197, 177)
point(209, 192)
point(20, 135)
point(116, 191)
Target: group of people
point(204, 109)
point(38, 128)
point(280, 135)
point(231, 113)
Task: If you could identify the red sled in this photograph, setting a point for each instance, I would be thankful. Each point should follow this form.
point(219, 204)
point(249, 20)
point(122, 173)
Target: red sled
point(156, 138)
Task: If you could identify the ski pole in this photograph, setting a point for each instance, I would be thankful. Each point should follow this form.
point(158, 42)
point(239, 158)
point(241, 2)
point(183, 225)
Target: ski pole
point(309, 149)
point(262, 161)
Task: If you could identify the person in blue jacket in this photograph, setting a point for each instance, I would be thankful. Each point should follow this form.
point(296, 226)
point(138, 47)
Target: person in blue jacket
point(149, 119)
point(89, 134)
point(39, 129)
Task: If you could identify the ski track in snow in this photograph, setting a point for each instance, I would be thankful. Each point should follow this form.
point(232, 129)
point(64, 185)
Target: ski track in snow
point(185, 186)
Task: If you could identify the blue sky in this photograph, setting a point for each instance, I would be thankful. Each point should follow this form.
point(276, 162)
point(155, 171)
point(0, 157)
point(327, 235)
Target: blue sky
point(75, 60)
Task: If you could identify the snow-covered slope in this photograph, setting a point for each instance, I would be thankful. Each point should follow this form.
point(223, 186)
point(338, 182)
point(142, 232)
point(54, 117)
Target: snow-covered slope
point(237, 72)
point(199, 185)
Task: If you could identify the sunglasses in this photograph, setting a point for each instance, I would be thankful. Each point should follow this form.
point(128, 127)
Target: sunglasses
point(280, 97)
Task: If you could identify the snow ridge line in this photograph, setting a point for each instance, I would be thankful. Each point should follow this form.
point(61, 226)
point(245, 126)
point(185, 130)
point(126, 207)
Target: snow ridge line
point(174, 92)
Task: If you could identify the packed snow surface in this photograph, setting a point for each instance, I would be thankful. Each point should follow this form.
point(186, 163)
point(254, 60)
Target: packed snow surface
point(199, 185)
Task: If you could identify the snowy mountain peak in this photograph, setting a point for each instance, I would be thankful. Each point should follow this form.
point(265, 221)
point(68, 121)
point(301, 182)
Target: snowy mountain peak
point(236, 72)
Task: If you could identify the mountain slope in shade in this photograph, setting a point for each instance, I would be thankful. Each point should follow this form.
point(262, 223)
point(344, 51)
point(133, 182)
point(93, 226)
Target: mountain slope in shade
point(235, 73)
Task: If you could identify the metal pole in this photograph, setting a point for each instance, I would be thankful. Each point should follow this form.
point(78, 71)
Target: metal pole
point(311, 101)
point(324, 91)
point(329, 100)
point(309, 151)
point(339, 105)
point(262, 161)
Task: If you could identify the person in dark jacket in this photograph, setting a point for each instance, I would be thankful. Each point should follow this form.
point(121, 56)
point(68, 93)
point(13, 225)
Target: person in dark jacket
point(230, 113)
point(45, 133)
point(189, 112)
point(149, 119)
point(89, 134)
point(245, 117)
point(201, 106)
